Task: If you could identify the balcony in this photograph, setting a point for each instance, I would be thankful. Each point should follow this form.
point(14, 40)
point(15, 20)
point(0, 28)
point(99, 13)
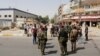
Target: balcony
point(93, 9)
point(73, 4)
point(87, 16)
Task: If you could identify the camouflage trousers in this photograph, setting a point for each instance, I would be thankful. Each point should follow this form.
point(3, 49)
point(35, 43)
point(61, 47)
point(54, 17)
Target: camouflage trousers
point(39, 43)
point(42, 46)
point(63, 47)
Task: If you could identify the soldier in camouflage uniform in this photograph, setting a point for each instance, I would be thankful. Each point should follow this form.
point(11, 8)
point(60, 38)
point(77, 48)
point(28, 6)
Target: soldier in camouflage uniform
point(42, 40)
point(73, 38)
point(63, 38)
point(68, 28)
point(39, 37)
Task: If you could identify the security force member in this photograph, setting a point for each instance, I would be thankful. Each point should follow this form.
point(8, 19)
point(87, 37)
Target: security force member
point(63, 38)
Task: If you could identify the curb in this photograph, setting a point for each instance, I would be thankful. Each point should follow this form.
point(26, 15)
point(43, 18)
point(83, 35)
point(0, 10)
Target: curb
point(11, 34)
point(6, 35)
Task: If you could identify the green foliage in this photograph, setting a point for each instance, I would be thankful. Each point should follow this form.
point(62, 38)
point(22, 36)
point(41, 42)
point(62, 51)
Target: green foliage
point(44, 20)
point(52, 21)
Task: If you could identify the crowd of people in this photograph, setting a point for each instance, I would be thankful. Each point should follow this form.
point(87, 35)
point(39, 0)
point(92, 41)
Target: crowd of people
point(64, 32)
point(68, 31)
point(39, 35)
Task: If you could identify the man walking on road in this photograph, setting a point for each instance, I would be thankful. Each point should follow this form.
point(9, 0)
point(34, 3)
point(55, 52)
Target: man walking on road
point(34, 32)
point(63, 38)
point(86, 32)
point(42, 39)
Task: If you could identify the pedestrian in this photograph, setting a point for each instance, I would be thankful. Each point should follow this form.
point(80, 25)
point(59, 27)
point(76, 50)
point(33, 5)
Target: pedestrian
point(45, 29)
point(42, 40)
point(30, 30)
point(63, 38)
point(86, 32)
point(25, 28)
point(79, 30)
point(34, 33)
point(52, 31)
point(68, 28)
point(73, 38)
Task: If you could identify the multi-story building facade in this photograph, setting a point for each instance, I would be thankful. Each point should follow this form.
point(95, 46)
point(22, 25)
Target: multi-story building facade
point(60, 12)
point(12, 15)
point(64, 12)
point(87, 11)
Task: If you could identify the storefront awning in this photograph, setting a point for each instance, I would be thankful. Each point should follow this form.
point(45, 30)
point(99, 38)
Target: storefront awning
point(89, 19)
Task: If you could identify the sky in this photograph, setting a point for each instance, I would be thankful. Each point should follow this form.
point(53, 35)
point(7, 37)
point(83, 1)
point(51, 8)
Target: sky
point(38, 7)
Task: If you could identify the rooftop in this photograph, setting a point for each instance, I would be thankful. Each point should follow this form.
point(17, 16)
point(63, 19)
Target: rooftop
point(17, 10)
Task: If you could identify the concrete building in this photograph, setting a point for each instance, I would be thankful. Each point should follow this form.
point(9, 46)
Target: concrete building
point(13, 15)
point(64, 12)
point(85, 11)
point(60, 12)
point(90, 11)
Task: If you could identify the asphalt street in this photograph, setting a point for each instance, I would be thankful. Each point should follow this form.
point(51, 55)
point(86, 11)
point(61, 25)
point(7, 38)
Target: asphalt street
point(23, 46)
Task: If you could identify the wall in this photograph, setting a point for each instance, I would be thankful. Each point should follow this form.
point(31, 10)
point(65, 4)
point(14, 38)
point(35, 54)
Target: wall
point(6, 21)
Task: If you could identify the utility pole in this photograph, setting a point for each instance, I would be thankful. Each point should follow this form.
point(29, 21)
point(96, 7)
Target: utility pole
point(80, 14)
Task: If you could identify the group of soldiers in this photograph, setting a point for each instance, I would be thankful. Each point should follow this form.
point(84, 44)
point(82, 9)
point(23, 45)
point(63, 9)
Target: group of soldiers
point(70, 32)
point(65, 32)
point(39, 35)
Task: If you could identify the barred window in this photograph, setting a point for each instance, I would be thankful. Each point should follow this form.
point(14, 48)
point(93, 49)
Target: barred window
point(5, 15)
point(9, 15)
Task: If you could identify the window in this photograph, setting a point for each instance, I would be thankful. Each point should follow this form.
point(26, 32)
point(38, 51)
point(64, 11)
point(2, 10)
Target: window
point(9, 15)
point(87, 6)
point(95, 12)
point(21, 16)
point(24, 17)
point(16, 16)
point(87, 13)
point(5, 15)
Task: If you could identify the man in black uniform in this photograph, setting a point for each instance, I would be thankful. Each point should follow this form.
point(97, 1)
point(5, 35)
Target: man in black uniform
point(63, 38)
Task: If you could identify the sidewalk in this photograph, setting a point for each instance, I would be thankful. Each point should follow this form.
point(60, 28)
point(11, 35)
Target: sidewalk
point(12, 32)
point(95, 36)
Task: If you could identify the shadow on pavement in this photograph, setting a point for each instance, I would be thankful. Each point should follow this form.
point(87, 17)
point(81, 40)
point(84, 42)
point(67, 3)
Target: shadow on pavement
point(70, 52)
point(49, 39)
point(51, 52)
point(49, 46)
point(90, 39)
point(48, 43)
point(79, 48)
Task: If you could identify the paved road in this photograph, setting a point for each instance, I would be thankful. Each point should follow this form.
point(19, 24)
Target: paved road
point(22, 46)
point(13, 46)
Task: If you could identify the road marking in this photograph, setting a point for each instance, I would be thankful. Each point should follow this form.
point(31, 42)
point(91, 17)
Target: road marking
point(7, 35)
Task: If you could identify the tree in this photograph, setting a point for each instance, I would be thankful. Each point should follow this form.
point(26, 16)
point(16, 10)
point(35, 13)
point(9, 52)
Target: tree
point(45, 19)
point(52, 21)
point(40, 18)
